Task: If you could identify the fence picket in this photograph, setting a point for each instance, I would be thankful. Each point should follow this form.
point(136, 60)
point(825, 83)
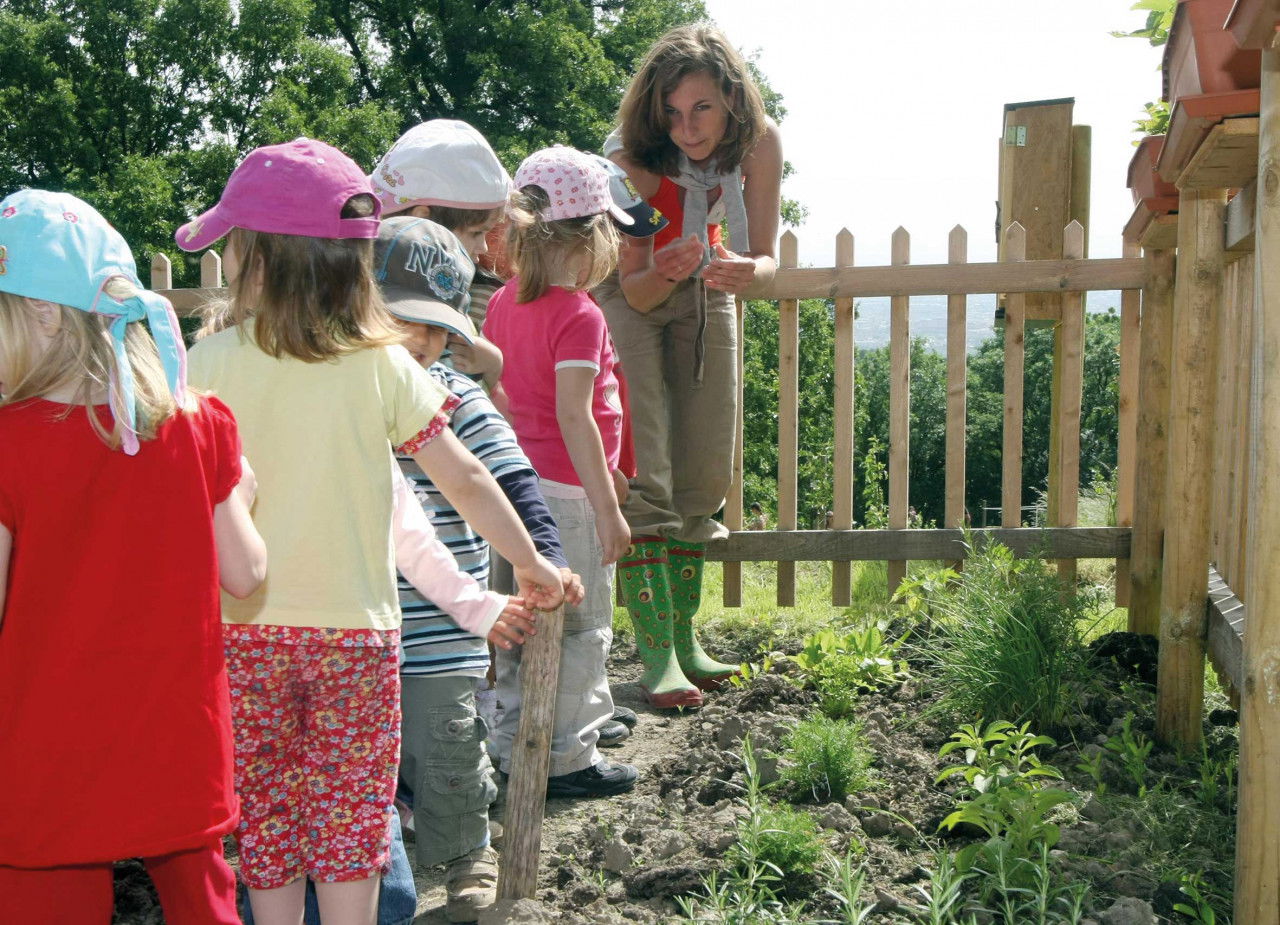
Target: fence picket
point(732, 576)
point(899, 404)
point(1070, 353)
point(1127, 419)
point(842, 496)
point(957, 386)
point(788, 417)
point(1015, 316)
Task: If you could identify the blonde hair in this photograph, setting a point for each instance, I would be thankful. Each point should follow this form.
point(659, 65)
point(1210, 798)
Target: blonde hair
point(538, 248)
point(315, 298)
point(699, 48)
point(81, 356)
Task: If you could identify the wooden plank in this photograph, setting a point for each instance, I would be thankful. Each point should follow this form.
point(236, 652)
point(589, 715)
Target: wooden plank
point(1193, 389)
point(1225, 639)
point(162, 277)
point(1240, 219)
point(1146, 565)
point(1190, 121)
point(1257, 886)
point(1070, 337)
point(957, 387)
point(210, 270)
point(788, 418)
point(1239, 578)
point(530, 758)
point(1226, 159)
point(1014, 360)
point(937, 543)
point(1161, 233)
point(731, 591)
point(1146, 211)
point(948, 279)
point(188, 302)
point(899, 406)
point(1220, 521)
point(1127, 420)
point(845, 379)
point(1081, 179)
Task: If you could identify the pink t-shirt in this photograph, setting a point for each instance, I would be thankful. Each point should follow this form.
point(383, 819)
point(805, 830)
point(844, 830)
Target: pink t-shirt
point(562, 328)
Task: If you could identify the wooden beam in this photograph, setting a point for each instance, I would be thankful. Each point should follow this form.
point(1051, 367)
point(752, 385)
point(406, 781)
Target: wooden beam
point(957, 387)
point(788, 418)
point(1068, 369)
point(731, 590)
point(845, 380)
point(1127, 420)
point(1197, 321)
point(1225, 640)
point(1226, 159)
point(1257, 887)
point(1240, 219)
point(1014, 361)
point(944, 544)
point(899, 407)
point(1146, 565)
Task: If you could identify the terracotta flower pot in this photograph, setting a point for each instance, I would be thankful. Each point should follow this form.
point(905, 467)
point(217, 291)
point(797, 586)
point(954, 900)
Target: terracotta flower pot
point(1203, 57)
point(1144, 182)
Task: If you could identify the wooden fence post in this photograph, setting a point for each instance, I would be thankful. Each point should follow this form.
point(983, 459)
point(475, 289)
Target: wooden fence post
point(846, 359)
point(899, 405)
point(1257, 892)
point(1197, 320)
point(1015, 321)
point(1146, 551)
point(1127, 419)
point(161, 272)
point(210, 270)
point(530, 759)
point(731, 585)
point(957, 387)
point(788, 417)
point(1069, 374)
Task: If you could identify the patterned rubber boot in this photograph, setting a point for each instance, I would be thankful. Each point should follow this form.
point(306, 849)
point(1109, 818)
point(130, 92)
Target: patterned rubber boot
point(686, 594)
point(645, 577)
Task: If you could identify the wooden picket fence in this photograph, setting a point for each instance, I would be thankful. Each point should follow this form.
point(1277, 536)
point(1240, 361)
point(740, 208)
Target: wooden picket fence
point(1070, 278)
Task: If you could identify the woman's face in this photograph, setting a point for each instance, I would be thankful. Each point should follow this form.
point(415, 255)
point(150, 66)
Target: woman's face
point(697, 116)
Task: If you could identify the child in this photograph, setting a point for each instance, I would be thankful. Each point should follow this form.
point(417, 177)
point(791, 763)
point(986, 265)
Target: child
point(119, 516)
point(313, 369)
point(446, 171)
point(561, 390)
point(425, 277)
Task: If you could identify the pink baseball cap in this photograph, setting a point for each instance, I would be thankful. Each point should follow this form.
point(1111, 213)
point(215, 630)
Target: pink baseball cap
point(576, 185)
point(294, 188)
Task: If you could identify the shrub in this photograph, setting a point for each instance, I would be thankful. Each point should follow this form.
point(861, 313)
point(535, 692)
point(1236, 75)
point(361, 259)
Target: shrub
point(1007, 642)
point(840, 667)
point(786, 839)
point(828, 759)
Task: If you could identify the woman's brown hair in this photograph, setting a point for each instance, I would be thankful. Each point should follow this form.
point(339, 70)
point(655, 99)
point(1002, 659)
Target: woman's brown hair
point(685, 50)
point(315, 298)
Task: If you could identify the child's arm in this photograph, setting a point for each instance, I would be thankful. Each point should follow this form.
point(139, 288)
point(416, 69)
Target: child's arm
point(480, 358)
point(521, 489)
point(586, 450)
point(242, 555)
point(431, 568)
point(475, 495)
point(6, 544)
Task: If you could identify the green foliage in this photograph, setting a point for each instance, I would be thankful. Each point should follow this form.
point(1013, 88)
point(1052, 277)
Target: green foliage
point(1199, 907)
point(1132, 749)
point(1000, 755)
point(841, 666)
point(784, 838)
point(1160, 15)
point(827, 759)
point(916, 590)
point(1007, 641)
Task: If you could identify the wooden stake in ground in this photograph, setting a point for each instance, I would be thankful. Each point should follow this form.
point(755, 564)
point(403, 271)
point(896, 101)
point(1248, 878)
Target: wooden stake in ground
point(530, 759)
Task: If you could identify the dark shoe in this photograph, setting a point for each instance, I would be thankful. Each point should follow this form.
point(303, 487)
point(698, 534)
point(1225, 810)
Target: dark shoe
point(626, 717)
point(600, 780)
point(612, 733)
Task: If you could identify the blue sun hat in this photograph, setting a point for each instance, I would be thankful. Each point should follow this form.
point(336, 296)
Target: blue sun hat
point(58, 248)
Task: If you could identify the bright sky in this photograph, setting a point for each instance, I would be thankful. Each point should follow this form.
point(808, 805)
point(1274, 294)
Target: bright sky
point(895, 109)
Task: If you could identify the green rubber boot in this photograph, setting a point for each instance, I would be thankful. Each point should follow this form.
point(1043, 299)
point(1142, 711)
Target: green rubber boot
point(645, 576)
point(686, 588)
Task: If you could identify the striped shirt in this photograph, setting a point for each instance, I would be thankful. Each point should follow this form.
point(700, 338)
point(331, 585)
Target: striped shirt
point(433, 644)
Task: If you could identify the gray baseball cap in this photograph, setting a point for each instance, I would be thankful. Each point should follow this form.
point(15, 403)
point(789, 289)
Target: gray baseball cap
point(425, 274)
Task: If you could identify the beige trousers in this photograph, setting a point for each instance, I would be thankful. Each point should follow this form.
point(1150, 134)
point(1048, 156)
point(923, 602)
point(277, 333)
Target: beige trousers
point(684, 405)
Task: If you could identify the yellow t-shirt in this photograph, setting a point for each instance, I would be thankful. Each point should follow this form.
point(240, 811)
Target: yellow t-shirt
point(319, 438)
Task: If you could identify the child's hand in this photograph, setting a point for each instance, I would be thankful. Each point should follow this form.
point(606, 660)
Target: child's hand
point(678, 259)
point(574, 593)
point(615, 535)
point(540, 584)
point(620, 486)
point(479, 359)
point(247, 487)
point(728, 271)
point(514, 624)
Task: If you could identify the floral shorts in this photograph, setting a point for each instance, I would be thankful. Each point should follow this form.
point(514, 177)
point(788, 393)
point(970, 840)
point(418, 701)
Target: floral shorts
point(316, 715)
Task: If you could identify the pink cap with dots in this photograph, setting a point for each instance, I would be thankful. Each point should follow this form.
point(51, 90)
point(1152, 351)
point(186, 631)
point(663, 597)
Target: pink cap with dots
point(574, 182)
point(295, 188)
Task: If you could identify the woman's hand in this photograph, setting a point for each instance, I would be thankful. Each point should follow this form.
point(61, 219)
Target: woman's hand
point(677, 260)
point(513, 625)
point(729, 272)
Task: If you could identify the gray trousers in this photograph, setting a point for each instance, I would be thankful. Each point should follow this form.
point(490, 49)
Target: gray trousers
point(583, 700)
point(683, 407)
point(443, 758)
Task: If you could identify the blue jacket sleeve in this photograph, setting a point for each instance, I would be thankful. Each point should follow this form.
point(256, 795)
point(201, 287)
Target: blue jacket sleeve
point(521, 489)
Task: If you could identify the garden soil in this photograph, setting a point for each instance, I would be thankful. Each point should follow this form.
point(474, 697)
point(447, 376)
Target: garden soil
point(628, 858)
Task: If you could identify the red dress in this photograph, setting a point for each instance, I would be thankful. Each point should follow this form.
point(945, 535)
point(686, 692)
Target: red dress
point(115, 732)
